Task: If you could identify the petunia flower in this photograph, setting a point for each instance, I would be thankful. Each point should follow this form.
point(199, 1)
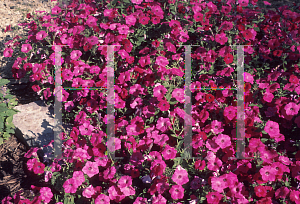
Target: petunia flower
point(90, 168)
point(180, 176)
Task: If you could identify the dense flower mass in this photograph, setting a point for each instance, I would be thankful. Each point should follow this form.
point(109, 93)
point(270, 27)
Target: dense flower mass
point(126, 88)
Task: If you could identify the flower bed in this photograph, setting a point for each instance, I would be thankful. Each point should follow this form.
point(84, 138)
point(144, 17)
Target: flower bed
point(149, 62)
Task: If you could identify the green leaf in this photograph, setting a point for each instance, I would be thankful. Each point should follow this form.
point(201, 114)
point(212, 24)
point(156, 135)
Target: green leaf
point(256, 29)
point(264, 132)
point(3, 82)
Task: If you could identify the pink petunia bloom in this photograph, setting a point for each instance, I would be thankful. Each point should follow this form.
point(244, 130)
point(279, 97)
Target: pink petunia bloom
point(90, 168)
point(164, 105)
point(179, 95)
point(161, 61)
point(221, 38)
point(56, 10)
point(216, 127)
point(93, 40)
point(159, 92)
point(128, 190)
point(213, 197)
point(78, 177)
point(160, 139)
point(102, 199)
point(218, 184)
point(46, 194)
point(268, 97)
point(268, 173)
point(159, 199)
point(88, 192)
point(169, 152)
point(41, 35)
point(86, 128)
point(144, 20)
point(136, 1)
point(223, 141)
point(113, 144)
point(177, 192)
point(75, 54)
point(180, 176)
point(163, 124)
point(140, 200)
point(123, 29)
point(212, 145)
point(125, 181)
point(109, 173)
point(130, 20)
point(26, 48)
point(214, 164)
point(244, 2)
point(69, 186)
point(38, 168)
point(145, 60)
point(91, 21)
point(8, 52)
point(291, 108)
point(272, 128)
point(230, 112)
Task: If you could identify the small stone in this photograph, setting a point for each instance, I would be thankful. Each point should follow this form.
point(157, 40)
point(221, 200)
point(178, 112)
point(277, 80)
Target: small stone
point(12, 7)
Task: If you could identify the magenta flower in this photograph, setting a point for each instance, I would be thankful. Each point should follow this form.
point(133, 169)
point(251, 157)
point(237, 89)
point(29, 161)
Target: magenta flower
point(136, 1)
point(216, 126)
point(218, 184)
point(177, 192)
point(160, 139)
point(128, 190)
point(90, 168)
point(272, 128)
point(102, 199)
point(123, 29)
point(47, 93)
point(69, 186)
point(223, 141)
point(244, 2)
point(38, 168)
point(109, 173)
point(169, 152)
point(230, 112)
point(159, 199)
point(86, 128)
point(26, 48)
point(46, 194)
point(67, 75)
point(113, 144)
point(8, 52)
point(164, 105)
point(130, 20)
point(93, 40)
point(159, 92)
point(88, 192)
point(75, 54)
point(125, 181)
point(213, 197)
point(91, 21)
point(78, 177)
point(145, 60)
point(221, 38)
point(41, 35)
point(56, 10)
point(163, 123)
point(161, 61)
point(179, 95)
point(268, 173)
point(180, 176)
point(291, 108)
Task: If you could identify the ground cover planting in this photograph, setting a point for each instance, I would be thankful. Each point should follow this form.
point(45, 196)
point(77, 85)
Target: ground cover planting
point(141, 44)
